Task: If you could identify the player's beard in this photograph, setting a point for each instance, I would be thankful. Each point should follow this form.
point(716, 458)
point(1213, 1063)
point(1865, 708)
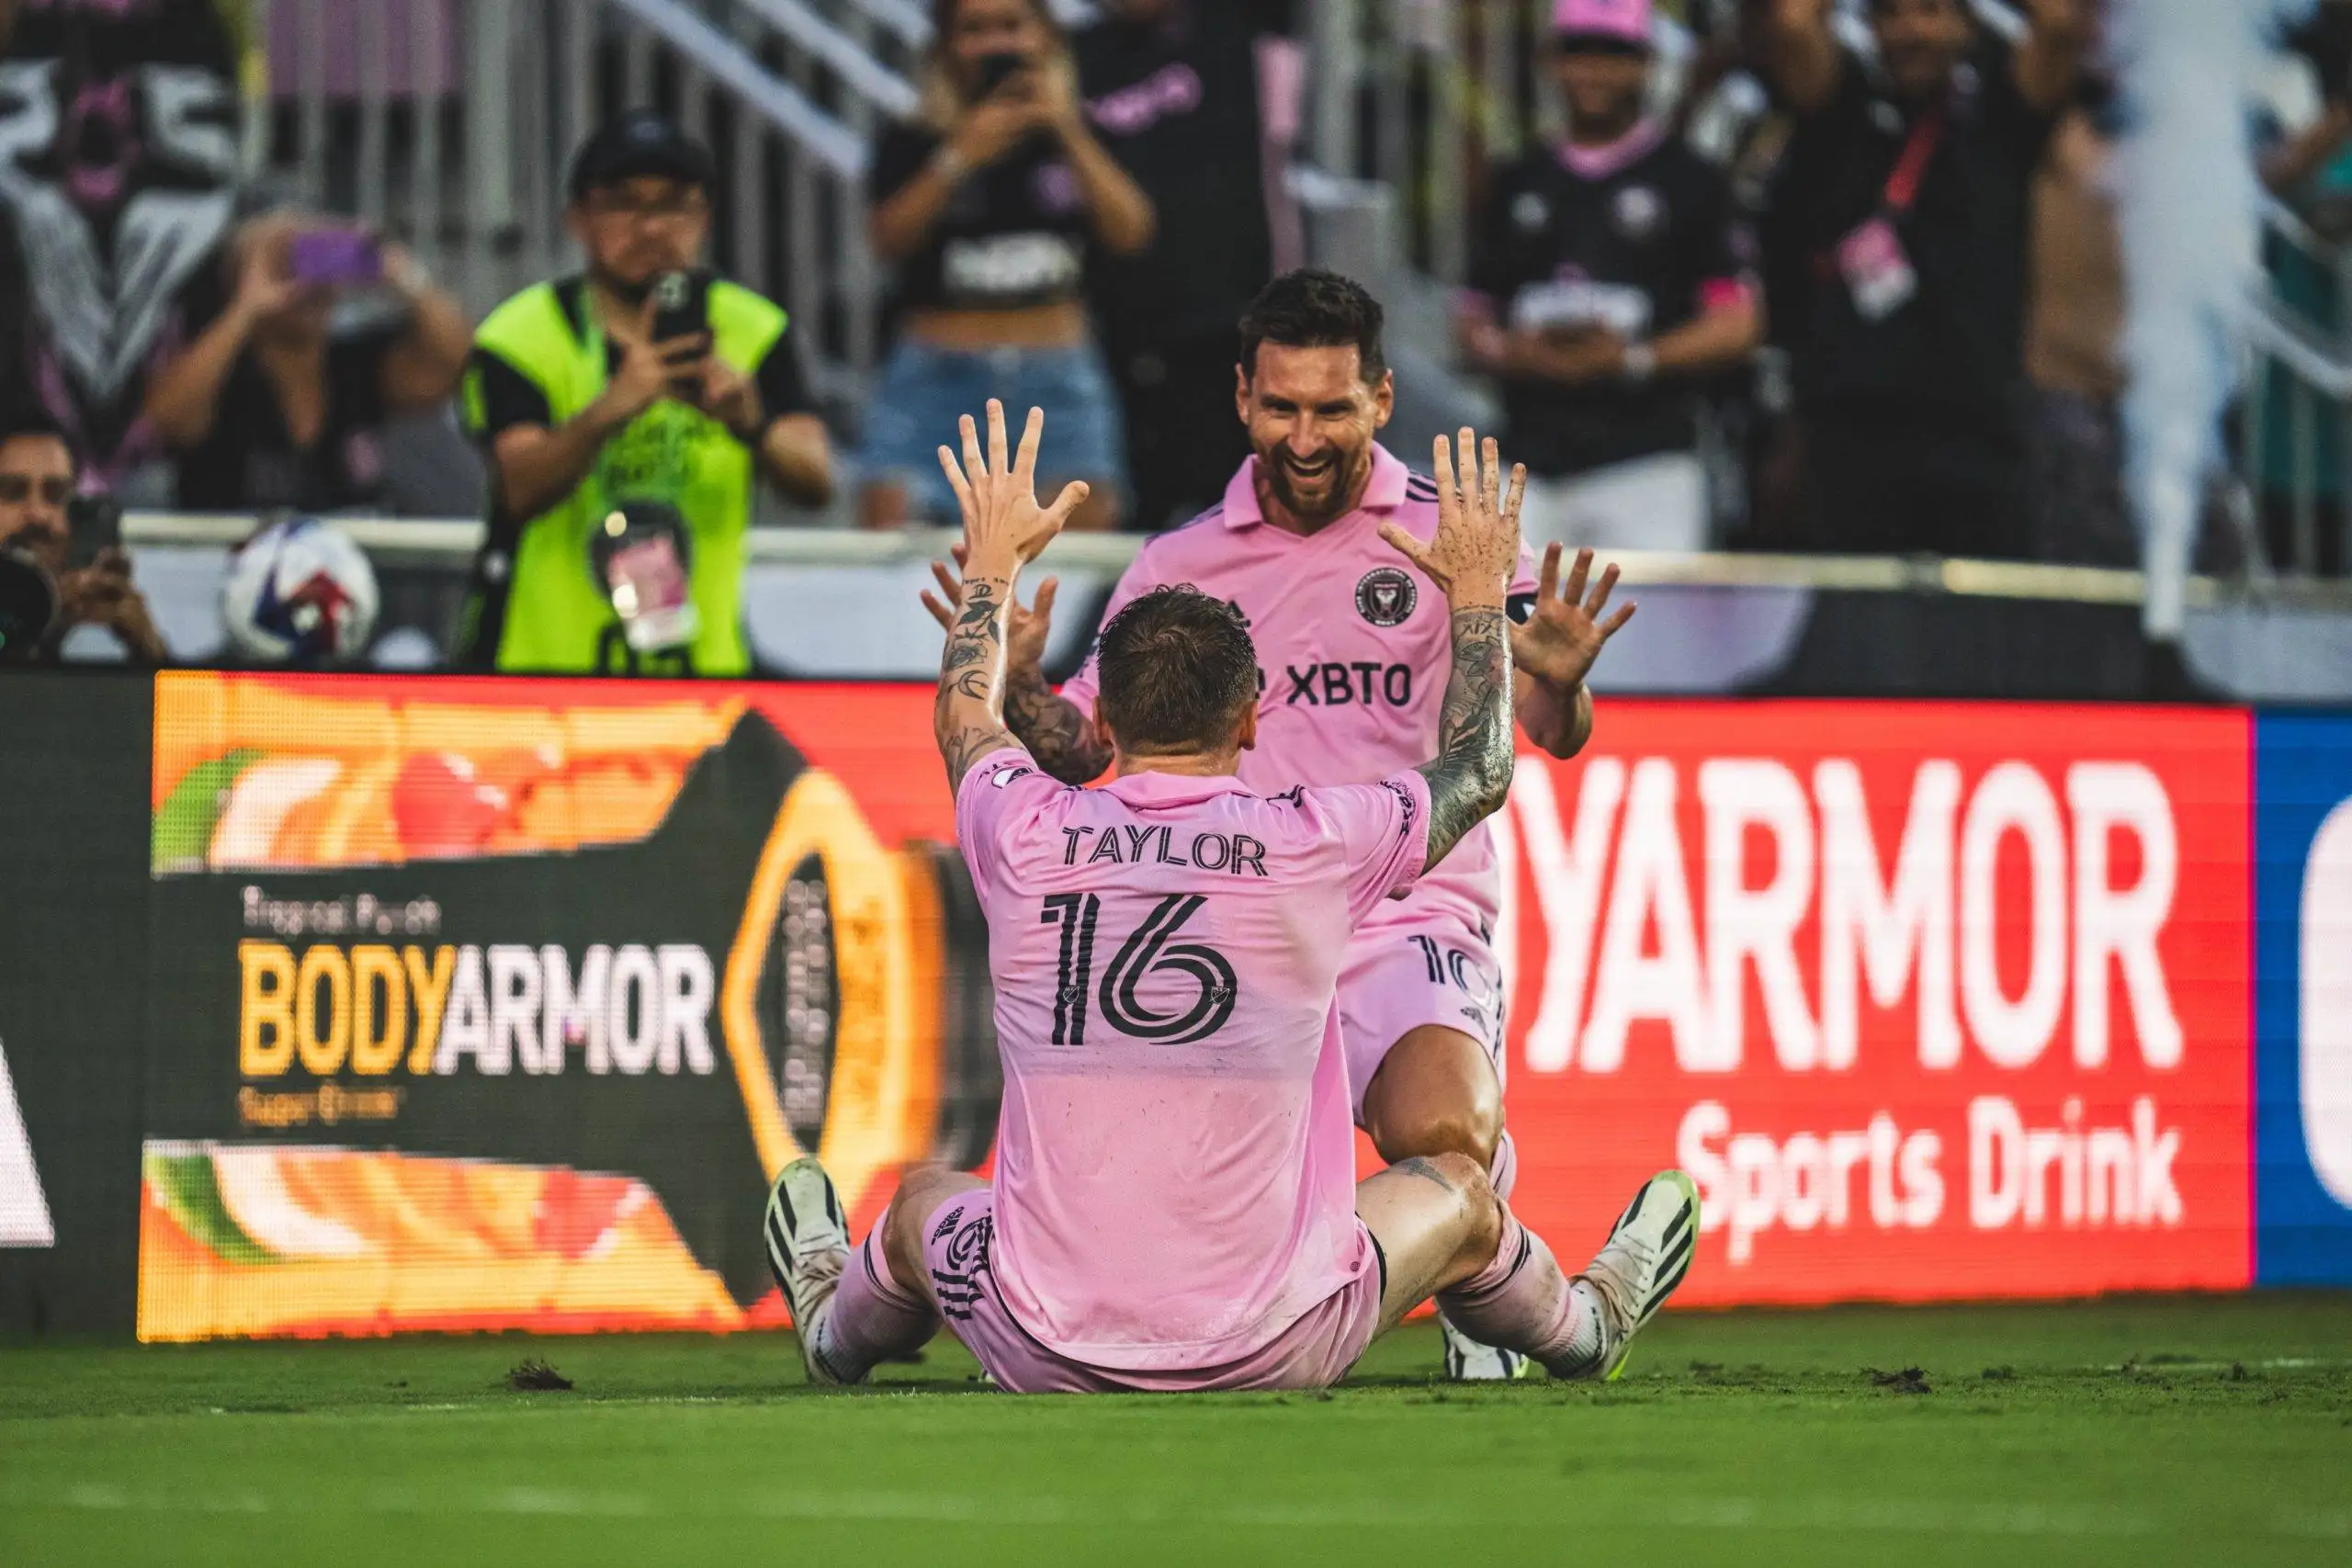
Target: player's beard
point(1331, 486)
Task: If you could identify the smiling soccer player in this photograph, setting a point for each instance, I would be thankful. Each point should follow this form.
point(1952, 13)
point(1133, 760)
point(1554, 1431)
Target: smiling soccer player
point(1352, 651)
point(1171, 1206)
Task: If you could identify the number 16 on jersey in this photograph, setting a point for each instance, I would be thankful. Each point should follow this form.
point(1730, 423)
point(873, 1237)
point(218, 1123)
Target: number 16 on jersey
point(1148, 950)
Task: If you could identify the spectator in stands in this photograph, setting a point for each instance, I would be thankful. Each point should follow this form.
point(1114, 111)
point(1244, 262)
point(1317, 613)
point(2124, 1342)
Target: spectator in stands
point(1906, 188)
point(580, 410)
point(1172, 87)
point(2304, 129)
point(1610, 283)
point(995, 203)
point(39, 478)
point(291, 369)
point(2074, 348)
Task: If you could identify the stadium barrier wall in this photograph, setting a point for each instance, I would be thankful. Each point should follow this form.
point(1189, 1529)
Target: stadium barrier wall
point(353, 1004)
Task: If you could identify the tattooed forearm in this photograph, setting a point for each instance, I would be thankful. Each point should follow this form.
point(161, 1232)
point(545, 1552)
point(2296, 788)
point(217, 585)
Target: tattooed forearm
point(968, 718)
point(1057, 733)
point(962, 748)
point(1471, 774)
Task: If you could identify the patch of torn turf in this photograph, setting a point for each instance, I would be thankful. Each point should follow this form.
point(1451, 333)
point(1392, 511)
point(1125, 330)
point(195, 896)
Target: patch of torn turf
point(535, 1374)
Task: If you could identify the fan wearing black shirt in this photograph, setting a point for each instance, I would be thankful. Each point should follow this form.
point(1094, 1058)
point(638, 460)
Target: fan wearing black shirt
point(996, 203)
point(1608, 285)
point(1172, 87)
point(1907, 186)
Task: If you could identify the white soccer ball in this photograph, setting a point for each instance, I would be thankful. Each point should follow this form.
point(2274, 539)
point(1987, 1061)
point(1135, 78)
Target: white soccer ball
point(300, 593)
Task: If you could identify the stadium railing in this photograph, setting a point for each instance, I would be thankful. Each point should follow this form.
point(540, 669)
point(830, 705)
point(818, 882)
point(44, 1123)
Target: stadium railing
point(841, 604)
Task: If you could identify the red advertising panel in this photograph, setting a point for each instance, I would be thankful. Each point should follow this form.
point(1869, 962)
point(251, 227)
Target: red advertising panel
point(492, 1003)
point(1934, 1000)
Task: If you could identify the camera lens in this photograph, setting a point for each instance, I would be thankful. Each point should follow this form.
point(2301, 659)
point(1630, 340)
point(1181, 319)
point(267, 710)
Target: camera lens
point(27, 605)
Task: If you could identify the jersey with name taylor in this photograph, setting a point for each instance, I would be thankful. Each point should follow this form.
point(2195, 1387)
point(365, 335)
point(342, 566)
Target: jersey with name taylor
point(1355, 645)
point(1175, 1168)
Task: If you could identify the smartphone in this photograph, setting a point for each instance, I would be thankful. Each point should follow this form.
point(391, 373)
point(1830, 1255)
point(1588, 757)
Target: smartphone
point(337, 256)
point(681, 308)
point(995, 70)
point(97, 525)
point(680, 304)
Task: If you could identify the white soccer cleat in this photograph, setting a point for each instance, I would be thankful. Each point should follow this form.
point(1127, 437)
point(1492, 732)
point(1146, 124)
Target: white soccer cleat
point(808, 1248)
point(1466, 1360)
point(1644, 1259)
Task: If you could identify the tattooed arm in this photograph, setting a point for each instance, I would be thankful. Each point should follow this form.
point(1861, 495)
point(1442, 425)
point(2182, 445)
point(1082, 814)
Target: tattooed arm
point(1470, 775)
point(1005, 529)
point(968, 718)
point(1473, 557)
point(1058, 733)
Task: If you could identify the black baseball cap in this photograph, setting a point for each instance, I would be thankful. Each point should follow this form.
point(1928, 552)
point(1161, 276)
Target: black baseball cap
point(640, 143)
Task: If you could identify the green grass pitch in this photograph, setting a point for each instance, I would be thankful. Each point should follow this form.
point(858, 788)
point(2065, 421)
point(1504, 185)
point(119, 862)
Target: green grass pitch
point(2210, 1431)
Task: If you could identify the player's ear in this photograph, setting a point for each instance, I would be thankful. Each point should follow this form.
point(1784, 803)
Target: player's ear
point(1383, 399)
point(1241, 390)
point(1248, 734)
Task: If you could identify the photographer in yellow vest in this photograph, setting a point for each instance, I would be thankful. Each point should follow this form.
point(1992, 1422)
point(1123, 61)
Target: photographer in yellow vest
point(627, 413)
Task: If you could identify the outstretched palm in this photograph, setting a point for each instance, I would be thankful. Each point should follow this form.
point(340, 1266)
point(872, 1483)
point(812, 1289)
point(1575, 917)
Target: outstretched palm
point(1558, 643)
point(1475, 547)
point(999, 493)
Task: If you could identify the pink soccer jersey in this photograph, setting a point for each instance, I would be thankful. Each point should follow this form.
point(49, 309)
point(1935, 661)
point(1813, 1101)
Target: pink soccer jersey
point(1353, 649)
point(1175, 1174)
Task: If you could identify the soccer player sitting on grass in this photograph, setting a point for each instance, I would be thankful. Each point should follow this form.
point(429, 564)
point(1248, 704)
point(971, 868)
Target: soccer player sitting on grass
point(1172, 1205)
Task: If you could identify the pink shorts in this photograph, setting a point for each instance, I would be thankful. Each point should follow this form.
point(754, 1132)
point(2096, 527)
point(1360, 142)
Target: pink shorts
point(1314, 1352)
point(1398, 980)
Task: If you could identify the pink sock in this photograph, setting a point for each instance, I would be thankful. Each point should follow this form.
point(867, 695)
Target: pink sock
point(1521, 1302)
point(1504, 1171)
point(872, 1317)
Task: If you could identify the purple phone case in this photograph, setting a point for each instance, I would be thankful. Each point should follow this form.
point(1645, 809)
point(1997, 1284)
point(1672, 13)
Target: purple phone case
point(336, 255)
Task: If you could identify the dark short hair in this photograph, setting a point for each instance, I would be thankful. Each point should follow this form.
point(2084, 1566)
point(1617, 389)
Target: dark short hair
point(1177, 671)
point(1878, 7)
point(1309, 307)
point(37, 424)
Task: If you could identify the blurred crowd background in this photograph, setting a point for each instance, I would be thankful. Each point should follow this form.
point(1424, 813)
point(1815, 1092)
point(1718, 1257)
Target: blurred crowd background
point(1841, 277)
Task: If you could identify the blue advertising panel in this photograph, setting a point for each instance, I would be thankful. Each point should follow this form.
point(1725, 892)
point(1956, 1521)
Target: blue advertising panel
point(2302, 906)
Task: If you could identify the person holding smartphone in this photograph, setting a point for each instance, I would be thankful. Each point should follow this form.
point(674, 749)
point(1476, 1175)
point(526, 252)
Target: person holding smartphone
point(994, 204)
point(628, 412)
point(72, 542)
point(280, 399)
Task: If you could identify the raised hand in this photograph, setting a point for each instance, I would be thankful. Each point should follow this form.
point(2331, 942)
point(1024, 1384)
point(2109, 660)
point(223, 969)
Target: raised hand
point(1474, 555)
point(1558, 643)
point(1004, 528)
point(1475, 552)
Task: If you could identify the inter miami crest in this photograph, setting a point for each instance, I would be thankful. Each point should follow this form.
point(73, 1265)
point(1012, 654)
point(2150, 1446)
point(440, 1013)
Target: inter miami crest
point(1385, 596)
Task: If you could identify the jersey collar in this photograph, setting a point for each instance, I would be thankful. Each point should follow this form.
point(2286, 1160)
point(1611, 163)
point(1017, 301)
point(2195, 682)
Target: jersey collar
point(1614, 158)
point(1174, 789)
point(1384, 494)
